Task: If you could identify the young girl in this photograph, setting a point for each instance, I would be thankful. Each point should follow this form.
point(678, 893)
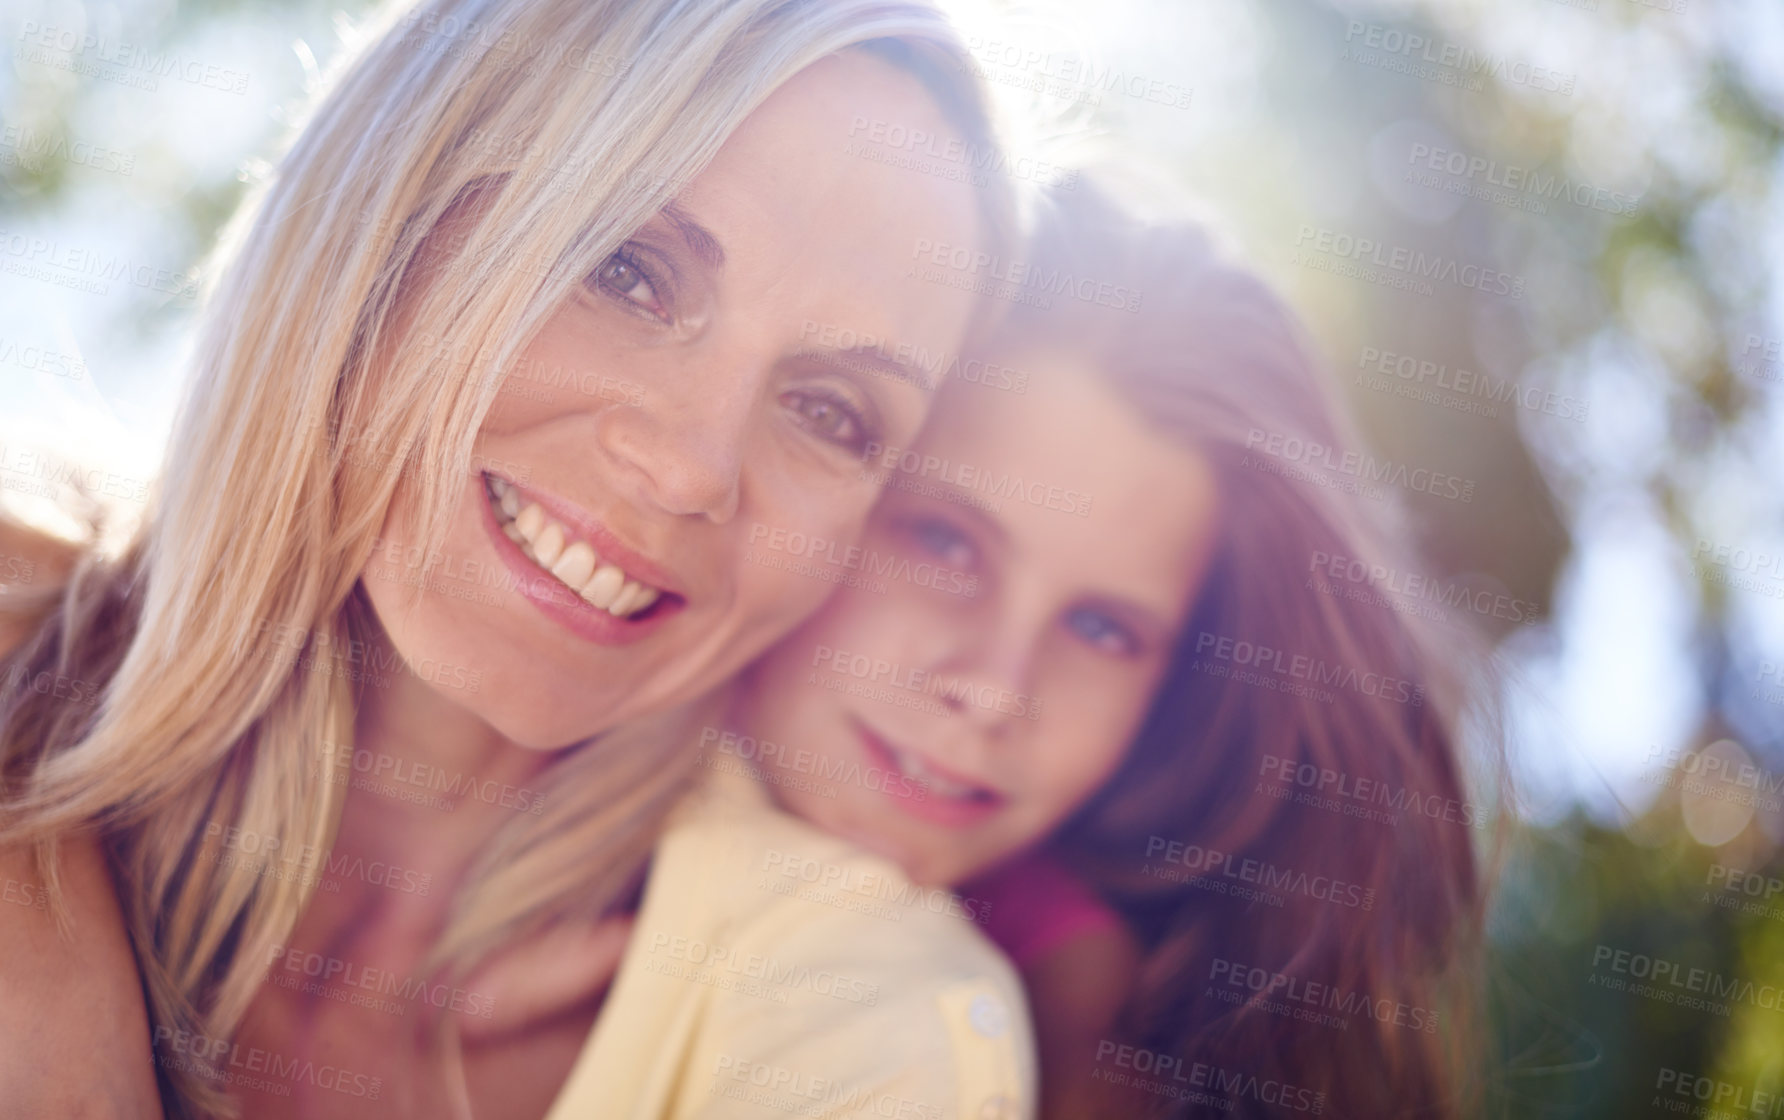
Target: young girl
point(1097, 675)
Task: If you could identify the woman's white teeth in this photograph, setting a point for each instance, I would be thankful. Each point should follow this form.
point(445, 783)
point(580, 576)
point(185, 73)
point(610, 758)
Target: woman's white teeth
point(622, 602)
point(604, 587)
point(632, 598)
point(575, 563)
point(549, 545)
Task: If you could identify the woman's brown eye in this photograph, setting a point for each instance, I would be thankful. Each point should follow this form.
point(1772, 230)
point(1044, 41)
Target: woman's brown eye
point(829, 418)
point(627, 281)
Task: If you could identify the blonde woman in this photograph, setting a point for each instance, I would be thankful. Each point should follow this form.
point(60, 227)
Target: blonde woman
point(547, 306)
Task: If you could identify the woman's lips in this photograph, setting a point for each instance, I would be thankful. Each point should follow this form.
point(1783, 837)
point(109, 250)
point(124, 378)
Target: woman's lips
point(646, 605)
point(942, 796)
point(549, 543)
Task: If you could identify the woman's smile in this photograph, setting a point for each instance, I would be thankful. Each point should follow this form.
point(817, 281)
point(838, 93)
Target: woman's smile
point(597, 587)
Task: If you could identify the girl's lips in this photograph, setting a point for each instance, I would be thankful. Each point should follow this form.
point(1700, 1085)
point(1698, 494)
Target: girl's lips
point(928, 801)
point(563, 606)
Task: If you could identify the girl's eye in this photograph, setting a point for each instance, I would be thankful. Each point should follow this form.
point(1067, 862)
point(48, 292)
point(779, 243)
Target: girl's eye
point(1102, 631)
point(830, 416)
point(946, 543)
point(623, 278)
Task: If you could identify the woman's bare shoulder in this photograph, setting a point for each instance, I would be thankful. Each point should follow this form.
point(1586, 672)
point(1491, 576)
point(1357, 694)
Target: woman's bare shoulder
point(74, 1029)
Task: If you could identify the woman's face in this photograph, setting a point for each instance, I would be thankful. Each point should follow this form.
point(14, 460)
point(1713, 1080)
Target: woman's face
point(1035, 559)
point(705, 380)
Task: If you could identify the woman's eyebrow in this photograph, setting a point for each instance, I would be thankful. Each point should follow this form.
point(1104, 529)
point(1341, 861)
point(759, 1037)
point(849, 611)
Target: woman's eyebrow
point(699, 239)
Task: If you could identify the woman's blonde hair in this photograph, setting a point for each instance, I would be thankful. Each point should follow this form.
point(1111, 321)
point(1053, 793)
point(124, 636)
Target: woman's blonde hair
point(571, 122)
point(1212, 356)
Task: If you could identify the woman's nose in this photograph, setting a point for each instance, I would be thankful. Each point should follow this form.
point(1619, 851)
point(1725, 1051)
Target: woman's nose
point(684, 444)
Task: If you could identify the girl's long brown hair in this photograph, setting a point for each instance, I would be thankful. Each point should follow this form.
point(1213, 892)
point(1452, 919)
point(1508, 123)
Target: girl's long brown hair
point(1287, 683)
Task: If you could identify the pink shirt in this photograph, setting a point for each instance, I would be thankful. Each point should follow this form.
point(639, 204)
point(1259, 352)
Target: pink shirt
point(1036, 905)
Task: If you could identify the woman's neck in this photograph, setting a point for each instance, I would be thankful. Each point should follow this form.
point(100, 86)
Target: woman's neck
point(428, 785)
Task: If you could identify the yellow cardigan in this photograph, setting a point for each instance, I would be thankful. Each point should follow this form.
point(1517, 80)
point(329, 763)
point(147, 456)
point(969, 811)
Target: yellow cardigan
point(777, 971)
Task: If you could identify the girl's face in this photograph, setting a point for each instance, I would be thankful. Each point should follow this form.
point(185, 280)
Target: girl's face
point(724, 369)
point(1017, 595)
